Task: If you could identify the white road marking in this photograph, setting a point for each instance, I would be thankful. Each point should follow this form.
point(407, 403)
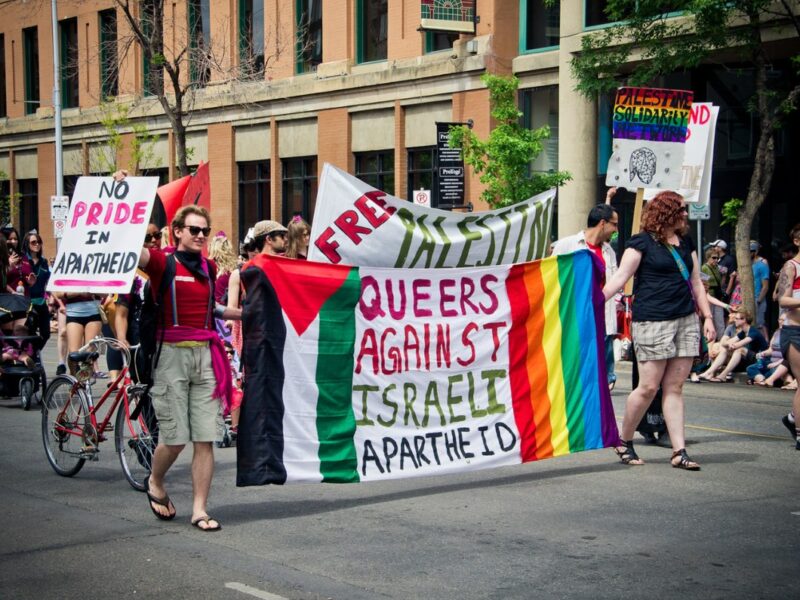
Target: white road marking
point(246, 589)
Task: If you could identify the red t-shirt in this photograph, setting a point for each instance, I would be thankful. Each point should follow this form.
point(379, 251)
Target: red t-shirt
point(191, 293)
point(598, 252)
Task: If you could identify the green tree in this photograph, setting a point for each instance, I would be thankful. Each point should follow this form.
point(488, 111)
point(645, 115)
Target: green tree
point(649, 41)
point(116, 122)
point(9, 204)
point(503, 161)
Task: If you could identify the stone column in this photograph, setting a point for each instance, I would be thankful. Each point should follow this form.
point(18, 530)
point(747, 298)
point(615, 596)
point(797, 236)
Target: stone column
point(577, 123)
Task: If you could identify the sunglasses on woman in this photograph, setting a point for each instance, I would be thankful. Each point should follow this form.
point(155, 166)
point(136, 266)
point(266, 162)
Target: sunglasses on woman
point(153, 236)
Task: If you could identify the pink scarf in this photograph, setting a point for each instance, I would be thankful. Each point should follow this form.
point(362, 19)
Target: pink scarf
point(219, 359)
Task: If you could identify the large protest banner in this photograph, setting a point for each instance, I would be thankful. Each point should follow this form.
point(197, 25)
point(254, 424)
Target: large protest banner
point(106, 224)
point(649, 127)
point(364, 374)
point(355, 224)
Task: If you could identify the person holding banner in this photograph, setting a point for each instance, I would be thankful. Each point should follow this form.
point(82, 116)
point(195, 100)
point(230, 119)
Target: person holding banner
point(668, 294)
point(192, 376)
point(601, 225)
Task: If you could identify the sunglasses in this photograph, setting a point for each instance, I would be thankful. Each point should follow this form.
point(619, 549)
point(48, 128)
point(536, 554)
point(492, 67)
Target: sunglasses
point(277, 234)
point(716, 257)
point(153, 236)
point(34, 243)
point(682, 210)
point(195, 230)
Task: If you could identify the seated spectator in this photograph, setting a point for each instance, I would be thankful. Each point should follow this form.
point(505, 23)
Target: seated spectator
point(769, 367)
point(737, 351)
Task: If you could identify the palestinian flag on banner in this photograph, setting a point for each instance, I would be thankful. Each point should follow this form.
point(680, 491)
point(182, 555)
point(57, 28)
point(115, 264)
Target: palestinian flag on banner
point(357, 374)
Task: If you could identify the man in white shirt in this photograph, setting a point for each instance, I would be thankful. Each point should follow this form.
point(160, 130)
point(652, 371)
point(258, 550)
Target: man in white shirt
point(602, 223)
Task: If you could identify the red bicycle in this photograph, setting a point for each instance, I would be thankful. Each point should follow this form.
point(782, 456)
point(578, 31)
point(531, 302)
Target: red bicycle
point(72, 429)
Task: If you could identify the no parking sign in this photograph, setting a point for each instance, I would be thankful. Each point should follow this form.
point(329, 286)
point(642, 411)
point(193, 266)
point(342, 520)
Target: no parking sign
point(422, 197)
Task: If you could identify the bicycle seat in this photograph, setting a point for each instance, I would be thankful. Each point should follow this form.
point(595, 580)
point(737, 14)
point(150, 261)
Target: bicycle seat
point(83, 357)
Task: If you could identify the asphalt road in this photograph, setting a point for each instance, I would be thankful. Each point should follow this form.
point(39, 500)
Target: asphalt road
point(580, 526)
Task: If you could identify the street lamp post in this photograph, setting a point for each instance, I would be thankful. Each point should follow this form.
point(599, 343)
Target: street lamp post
point(57, 101)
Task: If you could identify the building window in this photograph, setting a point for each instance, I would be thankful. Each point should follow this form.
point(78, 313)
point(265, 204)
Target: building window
point(109, 69)
point(377, 169)
point(70, 181)
point(28, 204)
point(439, 40)
point(299, 187)
point(30, 43)
point(373, 28)
point(159, 215)
point(309, 35)
point(595, 12)
point(251, 38)
point(539, 107)
point(153, 74)
point(3, 108)
point(422, 172)
point(542, 24)
point(199, 41)
point(70, 84)
point(254, 194)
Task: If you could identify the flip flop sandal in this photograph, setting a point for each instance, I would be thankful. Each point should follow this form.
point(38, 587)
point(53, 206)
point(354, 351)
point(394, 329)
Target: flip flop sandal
point(165, 501)
point(206, 520)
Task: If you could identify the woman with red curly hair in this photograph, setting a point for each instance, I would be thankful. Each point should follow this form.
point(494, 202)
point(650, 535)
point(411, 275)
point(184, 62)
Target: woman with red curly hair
point(667, 297)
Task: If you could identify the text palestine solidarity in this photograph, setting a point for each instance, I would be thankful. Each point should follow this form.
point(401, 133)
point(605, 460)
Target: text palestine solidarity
point(97, 263)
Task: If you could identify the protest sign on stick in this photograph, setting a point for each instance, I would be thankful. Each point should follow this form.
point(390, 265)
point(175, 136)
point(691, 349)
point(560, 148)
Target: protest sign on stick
point(695, 185)
point(105, 227)
point(649, 129)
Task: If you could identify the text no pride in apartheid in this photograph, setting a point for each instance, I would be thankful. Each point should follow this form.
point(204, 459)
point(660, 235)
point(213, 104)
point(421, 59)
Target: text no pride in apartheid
point(106, 225)
point(355, 224)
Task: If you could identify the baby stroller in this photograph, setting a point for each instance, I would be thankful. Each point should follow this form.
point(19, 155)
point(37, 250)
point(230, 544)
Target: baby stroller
point(23, 375)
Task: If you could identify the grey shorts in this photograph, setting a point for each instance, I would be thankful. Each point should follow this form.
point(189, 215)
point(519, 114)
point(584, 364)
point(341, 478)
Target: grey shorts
point(182, 396)
point(662, 340)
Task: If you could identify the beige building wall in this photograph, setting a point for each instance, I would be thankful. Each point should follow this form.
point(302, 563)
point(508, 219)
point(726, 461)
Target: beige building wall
point(577, 151)
point(340, 109)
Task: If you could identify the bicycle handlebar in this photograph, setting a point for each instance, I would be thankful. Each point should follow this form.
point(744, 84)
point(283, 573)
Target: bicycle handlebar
point(114, 343)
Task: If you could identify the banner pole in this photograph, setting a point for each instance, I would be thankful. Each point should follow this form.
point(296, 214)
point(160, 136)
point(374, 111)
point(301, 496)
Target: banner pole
point(635, 227)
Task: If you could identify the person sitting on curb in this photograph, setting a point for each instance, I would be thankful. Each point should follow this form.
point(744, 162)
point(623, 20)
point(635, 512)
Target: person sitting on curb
point(770, 366)
point(738, 350)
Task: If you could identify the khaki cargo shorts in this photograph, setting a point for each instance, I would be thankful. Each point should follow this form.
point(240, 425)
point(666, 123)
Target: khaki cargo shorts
point(182, 396)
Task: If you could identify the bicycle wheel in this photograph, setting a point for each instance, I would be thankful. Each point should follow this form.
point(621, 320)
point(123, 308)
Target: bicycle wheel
point(135, 438)
point(65, 413)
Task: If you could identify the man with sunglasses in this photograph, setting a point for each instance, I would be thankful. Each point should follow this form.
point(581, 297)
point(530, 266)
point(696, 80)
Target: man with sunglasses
point(601, 224)
point(192, 376)
point(269, 237)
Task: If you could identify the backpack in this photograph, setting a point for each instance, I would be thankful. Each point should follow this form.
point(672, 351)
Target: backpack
point(151, 320)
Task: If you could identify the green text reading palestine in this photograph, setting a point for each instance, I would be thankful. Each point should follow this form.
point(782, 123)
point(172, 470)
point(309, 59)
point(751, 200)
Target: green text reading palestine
point(430, 243)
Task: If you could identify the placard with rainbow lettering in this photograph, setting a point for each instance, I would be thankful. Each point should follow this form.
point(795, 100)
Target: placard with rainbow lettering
point(649, 127)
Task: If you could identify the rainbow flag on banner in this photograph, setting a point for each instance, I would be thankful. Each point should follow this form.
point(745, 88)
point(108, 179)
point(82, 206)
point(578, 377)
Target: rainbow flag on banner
point(363, 374)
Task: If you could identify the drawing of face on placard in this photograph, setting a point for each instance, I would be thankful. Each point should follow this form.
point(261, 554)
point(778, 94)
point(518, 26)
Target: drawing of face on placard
point(649, 129)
